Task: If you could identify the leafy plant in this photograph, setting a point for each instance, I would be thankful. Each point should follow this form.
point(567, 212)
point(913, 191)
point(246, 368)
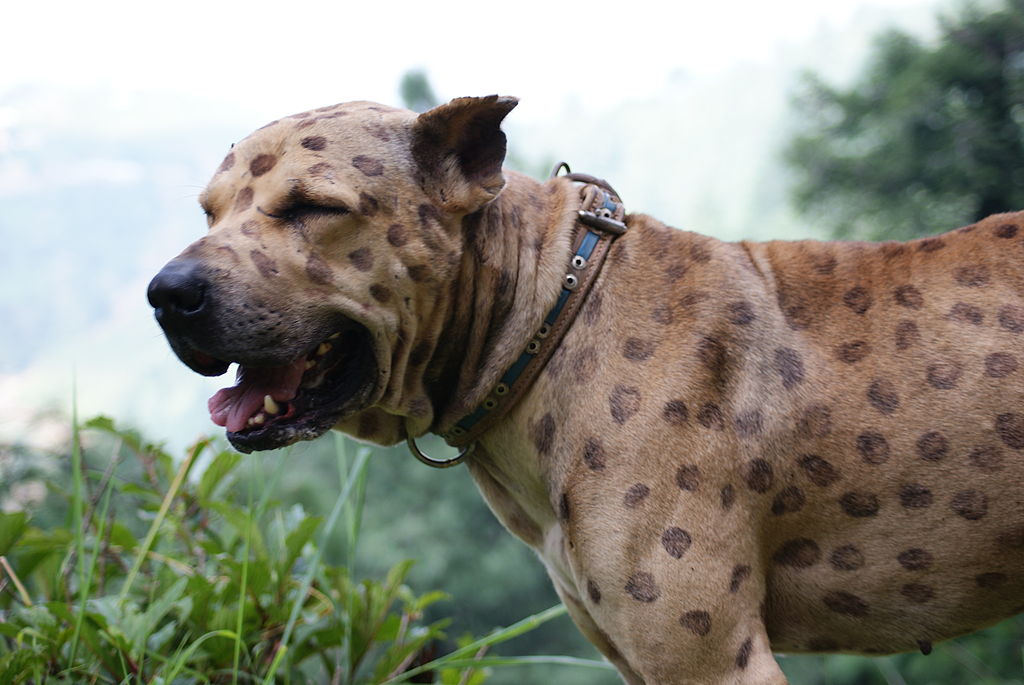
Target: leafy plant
point(159, 575)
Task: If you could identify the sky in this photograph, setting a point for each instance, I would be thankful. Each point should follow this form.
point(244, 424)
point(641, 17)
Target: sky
point(303, 54)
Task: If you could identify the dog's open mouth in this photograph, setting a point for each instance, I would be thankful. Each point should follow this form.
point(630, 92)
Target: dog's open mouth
point(274, 406)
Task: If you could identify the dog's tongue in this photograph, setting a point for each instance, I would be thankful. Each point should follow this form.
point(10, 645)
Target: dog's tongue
point(232, 407)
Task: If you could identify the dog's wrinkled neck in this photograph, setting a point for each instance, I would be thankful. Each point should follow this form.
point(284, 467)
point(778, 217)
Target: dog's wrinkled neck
point(514, 253)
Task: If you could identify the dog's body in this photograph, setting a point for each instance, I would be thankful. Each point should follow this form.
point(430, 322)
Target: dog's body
point(736, 448)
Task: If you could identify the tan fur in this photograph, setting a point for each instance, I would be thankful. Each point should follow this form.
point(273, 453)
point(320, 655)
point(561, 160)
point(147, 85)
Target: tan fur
point(737, 448)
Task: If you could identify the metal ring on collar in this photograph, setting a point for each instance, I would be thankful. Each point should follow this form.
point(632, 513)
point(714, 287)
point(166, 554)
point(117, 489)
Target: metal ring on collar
point(438, 463)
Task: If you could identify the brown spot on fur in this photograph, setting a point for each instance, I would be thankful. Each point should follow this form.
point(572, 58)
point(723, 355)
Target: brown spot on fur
point(971, 504)
point(368, 205)
point(710, 416)
point(361, 258)
point(1000, 364)
point(397, 235)
point(972, 275)
point(688, 477)
point(915, 559)
point(915, 496)
point(961, 312)
point(1005, 231)
point(699, 252)
point(824, 265)
point(917, 593)
point(419, 273)
point(593, 454)
point(819, 471)
point(243, 200)
point(321, 169)
point(637, 350)
point(662, 314)
point(816, 422)
point(675, 412)
point(797, 553)
point(593, 591)
point(264, 264)
point(740, 313)
point(882, 396)
point(635, 495)
point(858, 299)
point(314, 142)
point(845, 603)
point(368, 165)
point(624, 402)
point(853, 352)
point(932, 446)
point(789, 366)
point(228, 162)
point(790, 499)
point(740, 573)
point(859, 504)
point(261, 164)
point(676, 541)
point(712, 354)
point(380, 293)
point(759, 476)
point(318, 271)
point(908, 296)
point(642, 588)
point(728, 496)
point(944, 375)
point(986, 458)
point(583, 367)
point(743, 654)
point(846, 558)
point(1010, 428)
point(873, 448)
point(991, 580)
point(544, 434)
point(697, 622)
point(907, 335)
point(749, 423)
point(1011, 318)
point(930, 245)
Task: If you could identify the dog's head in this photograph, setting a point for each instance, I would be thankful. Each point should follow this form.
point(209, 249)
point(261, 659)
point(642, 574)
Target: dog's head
point(333, 235)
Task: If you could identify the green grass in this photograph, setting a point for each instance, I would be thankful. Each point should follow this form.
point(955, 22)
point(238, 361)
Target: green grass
point(224, 586)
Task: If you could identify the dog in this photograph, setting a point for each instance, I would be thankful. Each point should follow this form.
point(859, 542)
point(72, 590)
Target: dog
point(719, 450)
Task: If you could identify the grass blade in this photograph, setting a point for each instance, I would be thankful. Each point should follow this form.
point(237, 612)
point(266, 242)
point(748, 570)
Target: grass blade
point(518, 628)
point(360, 464)
point(154, 528)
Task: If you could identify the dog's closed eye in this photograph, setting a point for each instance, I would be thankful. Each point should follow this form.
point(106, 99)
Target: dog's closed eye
point(304, 211)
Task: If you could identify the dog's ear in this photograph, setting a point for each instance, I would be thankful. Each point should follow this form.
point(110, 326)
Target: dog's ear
point(460, 148)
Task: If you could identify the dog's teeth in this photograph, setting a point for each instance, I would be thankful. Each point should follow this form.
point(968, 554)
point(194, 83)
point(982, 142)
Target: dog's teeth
point(323, 349)
point(335, 336)
point(270, 406)
point(258, 419)
point(310, 364)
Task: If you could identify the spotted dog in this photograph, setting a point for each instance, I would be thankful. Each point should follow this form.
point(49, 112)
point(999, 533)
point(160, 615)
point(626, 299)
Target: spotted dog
point(734, 449)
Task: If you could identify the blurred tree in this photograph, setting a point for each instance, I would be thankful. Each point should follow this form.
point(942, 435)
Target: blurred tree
point(416, 91)
point(930, 137)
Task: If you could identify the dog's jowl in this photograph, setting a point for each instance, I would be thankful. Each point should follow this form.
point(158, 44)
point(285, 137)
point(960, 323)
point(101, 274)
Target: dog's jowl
point(719, 450)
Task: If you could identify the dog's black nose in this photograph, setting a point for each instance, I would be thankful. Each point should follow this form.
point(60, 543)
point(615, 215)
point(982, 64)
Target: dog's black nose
point(178, 291)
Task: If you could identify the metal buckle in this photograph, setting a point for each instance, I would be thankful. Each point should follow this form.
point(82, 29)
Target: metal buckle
point(602, 223)
point(438, 463)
